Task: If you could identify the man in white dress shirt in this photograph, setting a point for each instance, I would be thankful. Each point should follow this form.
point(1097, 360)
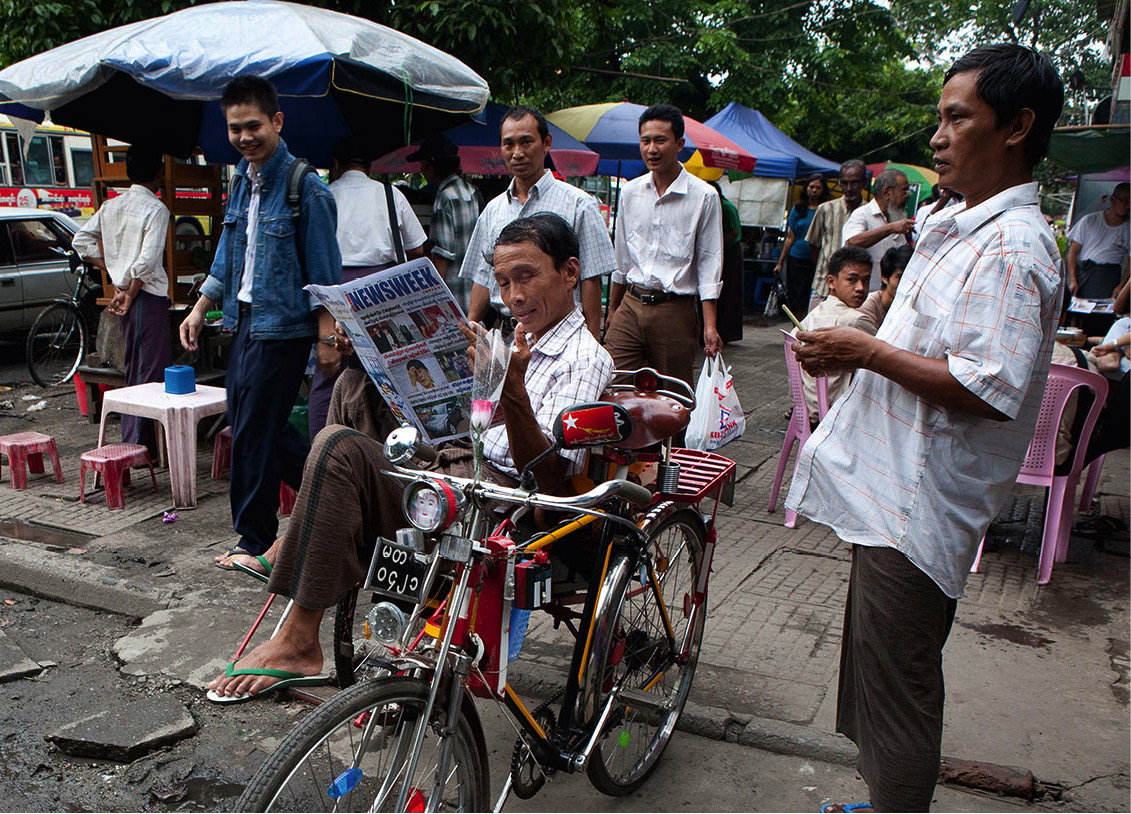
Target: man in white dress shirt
point(918, 457)
point(525, 142)
point(132, 229)
point(882, 223)
point(669, 245)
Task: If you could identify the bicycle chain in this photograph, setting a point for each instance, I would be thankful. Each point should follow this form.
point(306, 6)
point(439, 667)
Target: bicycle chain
point(528, 776)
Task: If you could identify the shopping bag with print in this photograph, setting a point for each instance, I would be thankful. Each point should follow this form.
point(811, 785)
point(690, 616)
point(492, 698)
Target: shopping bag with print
point(717, 418)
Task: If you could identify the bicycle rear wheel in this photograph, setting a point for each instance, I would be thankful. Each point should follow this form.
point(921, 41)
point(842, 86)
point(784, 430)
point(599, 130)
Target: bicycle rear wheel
point(350, 754)
point(56, 344)
point(630, 647)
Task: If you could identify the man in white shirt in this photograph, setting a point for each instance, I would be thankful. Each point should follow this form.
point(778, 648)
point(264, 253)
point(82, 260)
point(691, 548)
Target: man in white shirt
point(946, 197)
point(850, 269)
point(669, 245)
point(131, 229)
point(366, 241)
point(1097, 249)
point(525, 141)
point(882, 223)
point(921, 453)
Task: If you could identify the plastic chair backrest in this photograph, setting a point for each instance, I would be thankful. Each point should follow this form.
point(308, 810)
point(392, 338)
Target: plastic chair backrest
point(797, 390)
point(1040, 460)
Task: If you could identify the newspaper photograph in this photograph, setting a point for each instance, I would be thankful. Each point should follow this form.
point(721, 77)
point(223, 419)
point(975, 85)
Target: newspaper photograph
point(404, 326)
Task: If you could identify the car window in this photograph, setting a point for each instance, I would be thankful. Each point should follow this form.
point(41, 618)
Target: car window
point(5, 246)
point(35, 241)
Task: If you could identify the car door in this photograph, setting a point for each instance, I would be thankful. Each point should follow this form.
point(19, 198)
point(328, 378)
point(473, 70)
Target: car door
point(11, 286)
point(40, 246)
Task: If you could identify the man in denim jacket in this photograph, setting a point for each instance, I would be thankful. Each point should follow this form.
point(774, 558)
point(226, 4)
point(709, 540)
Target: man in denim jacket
point(259, 276)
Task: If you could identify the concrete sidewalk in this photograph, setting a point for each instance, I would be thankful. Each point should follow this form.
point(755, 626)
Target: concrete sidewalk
point(1037, 678)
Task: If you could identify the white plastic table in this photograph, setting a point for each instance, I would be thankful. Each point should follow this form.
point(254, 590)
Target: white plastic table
point(178, 416)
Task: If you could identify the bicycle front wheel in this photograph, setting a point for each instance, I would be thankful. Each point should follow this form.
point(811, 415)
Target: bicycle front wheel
point(631, 649)
point(56, 344)
point(351, 753)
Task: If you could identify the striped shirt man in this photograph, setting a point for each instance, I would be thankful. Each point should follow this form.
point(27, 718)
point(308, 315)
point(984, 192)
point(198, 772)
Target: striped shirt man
point(887, 468)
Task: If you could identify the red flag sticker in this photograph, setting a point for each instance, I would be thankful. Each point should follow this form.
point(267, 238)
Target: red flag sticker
point(592, 425)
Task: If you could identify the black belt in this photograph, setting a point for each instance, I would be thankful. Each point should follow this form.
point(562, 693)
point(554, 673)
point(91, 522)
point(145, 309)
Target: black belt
point(649, 297)
point(245, 308)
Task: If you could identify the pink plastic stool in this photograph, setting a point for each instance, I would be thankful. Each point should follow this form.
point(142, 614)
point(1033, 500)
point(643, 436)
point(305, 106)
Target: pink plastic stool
point(25, 454)
point(222, 453)
point(114, 462)
point(287, 498)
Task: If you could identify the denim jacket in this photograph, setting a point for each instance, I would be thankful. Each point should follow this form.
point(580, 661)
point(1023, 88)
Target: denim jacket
point(280, 309)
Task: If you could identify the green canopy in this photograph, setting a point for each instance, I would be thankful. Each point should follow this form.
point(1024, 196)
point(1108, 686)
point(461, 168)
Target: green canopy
point(1091, 149)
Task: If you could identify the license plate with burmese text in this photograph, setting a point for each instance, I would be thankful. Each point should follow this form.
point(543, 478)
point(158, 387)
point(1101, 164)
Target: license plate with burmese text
point(396, 572)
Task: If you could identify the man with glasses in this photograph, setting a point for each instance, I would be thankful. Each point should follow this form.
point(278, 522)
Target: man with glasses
point(824, 232)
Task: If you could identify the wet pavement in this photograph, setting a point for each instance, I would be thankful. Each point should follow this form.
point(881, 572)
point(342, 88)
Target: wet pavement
point(131, 608)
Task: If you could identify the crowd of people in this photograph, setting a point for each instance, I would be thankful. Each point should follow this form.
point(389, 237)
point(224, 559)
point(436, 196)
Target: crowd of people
point(935, 333)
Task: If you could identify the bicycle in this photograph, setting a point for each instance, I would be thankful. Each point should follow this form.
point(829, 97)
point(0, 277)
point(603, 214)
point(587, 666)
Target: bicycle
point(57, 342)
point(409, 738)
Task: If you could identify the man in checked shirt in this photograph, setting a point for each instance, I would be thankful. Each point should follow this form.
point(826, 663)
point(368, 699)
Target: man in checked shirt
point(913, 463)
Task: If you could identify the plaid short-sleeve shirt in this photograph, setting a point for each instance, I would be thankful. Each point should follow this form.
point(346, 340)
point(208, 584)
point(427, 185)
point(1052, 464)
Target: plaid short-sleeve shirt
point(567, 366)
point(887, 468)
point(454, 213)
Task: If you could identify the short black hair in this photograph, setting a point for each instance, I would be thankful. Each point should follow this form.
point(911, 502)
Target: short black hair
point(1013, 77)
point(520, 112)
point(142, 164)
point(897, 257)
point(547, 231)
point(354, 150)
point(416, 363)
point(846, 255)
point(251, 90)
point(1121, 186)
point(665, 113)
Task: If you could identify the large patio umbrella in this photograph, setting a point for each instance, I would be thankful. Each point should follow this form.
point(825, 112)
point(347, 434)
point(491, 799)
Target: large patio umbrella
point(159, 81)
point(479, 152)
point(922, 176)
point(612, 131)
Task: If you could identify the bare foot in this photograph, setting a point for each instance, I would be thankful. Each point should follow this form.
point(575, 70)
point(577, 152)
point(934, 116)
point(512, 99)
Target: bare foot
point(278, 654)
point(249, 560)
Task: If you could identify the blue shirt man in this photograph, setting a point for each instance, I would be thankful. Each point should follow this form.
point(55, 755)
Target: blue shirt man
point(263, 260)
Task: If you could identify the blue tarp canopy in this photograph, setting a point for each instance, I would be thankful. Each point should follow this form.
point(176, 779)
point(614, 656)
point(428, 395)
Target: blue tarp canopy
point(778, 155)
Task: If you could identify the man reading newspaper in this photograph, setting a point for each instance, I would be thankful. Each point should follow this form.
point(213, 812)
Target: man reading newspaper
point(345, 503)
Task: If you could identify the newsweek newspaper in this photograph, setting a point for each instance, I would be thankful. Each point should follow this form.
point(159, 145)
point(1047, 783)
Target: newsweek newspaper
point(404, 325)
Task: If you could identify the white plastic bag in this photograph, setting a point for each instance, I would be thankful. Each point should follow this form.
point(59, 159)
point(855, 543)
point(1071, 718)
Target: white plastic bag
point(717, 418)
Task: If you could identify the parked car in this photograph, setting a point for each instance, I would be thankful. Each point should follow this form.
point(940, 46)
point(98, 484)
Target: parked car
point(34, 244)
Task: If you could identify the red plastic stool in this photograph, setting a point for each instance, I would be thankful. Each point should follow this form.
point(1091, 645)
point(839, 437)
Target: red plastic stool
point(287, 498)
point(222, 453)
point(114, 462)
point(25, 454)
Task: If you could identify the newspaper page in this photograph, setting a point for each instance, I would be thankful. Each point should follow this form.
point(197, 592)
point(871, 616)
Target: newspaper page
point(404, 325)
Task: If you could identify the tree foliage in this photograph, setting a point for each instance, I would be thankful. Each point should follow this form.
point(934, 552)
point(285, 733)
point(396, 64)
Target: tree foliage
point(843, 77)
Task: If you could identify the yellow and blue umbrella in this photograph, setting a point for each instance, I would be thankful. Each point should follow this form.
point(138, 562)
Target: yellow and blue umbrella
point(612, 131)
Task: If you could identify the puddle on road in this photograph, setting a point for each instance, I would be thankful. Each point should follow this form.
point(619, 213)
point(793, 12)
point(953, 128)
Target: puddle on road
point(1011, 633)
point(33, 533)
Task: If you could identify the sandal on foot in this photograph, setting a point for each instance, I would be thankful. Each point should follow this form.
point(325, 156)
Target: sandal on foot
point(262, 576)
point(286, 679)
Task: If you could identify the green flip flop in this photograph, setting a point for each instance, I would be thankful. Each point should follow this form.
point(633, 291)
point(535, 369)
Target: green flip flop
point(286, 679)
point(251, 572)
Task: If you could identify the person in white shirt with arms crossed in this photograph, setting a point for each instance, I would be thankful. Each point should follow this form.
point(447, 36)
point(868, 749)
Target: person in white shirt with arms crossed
point(917, 458)
point(669, 245)
point(132, 229)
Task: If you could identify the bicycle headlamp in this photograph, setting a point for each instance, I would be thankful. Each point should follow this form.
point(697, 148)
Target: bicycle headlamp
point(386, 623)
point(430, 505)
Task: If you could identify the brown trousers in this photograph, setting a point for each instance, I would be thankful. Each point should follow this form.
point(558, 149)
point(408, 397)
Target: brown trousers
point(890, 700)
point(664, 336)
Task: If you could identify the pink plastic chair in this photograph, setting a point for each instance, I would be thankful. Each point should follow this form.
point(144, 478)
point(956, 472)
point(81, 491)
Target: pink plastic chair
point(1040, 462)
point(798, 429)
point(114, 462)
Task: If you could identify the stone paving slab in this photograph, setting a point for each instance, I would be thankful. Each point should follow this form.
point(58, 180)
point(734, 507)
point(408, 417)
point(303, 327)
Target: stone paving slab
point(125, 732)
point(14, 662)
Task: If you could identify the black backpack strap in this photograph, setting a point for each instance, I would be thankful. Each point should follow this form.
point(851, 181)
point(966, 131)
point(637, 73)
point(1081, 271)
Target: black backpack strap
point(296, 175)
point(394, 224)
